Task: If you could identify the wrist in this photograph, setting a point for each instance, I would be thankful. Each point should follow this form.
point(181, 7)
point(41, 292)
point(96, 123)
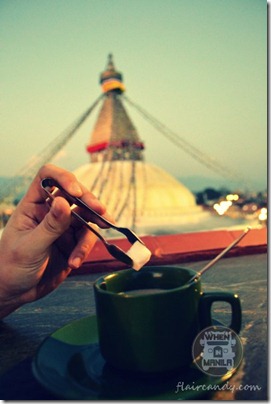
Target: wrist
point(7, 308)
point(8, 304)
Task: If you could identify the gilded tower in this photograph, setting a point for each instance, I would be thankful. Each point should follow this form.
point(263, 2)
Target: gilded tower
point(114, 136)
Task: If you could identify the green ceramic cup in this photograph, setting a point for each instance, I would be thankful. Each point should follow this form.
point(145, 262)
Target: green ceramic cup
point(147, 320)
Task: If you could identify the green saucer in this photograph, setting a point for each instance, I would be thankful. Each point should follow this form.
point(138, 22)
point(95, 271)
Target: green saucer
point(69, 364)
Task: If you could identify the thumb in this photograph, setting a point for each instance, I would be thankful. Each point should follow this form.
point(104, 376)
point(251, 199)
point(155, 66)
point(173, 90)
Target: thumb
point(54, 224)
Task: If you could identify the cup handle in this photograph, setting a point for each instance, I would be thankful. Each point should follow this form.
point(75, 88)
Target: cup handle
point(205, 304)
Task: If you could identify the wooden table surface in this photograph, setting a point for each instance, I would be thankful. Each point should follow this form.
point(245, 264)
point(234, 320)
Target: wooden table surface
point(22, 332)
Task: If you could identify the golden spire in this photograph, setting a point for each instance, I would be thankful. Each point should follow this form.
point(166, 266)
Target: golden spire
point(110, 79)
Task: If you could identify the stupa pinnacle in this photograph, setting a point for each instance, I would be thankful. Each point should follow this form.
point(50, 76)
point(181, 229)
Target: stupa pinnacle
point(114, 135)
point(110, 79)
point(138, 194)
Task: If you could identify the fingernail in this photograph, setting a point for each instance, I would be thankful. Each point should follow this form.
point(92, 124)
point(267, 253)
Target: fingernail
point(76, 262)
point(55, 209)
point(109, 217)
point(75, 188)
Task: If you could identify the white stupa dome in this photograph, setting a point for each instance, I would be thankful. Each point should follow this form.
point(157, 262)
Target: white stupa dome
point(140, 195)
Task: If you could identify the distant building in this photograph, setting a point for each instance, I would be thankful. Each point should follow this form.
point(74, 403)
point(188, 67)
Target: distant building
point(138, 194)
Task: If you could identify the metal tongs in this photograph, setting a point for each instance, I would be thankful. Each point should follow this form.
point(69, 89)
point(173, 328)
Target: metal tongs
point(49, 185)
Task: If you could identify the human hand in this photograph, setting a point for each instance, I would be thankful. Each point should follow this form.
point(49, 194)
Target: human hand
point(41, 245)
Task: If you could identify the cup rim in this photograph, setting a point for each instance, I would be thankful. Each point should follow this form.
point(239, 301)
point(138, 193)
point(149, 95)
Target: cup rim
point(187, 285)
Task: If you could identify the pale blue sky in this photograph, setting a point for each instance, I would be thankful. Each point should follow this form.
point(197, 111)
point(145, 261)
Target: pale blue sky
point(199, 66)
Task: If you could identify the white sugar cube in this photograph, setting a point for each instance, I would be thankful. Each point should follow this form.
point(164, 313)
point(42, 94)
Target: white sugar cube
point(139, 254)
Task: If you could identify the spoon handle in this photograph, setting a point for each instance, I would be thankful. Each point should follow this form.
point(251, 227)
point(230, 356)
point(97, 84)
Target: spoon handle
point(220, 255)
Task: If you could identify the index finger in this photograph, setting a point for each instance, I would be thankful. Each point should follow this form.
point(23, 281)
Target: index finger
point(68, 181)
point(53, 188)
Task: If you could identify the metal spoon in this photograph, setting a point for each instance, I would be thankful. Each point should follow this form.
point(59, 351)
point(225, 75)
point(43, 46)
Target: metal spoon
point(220, 255)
